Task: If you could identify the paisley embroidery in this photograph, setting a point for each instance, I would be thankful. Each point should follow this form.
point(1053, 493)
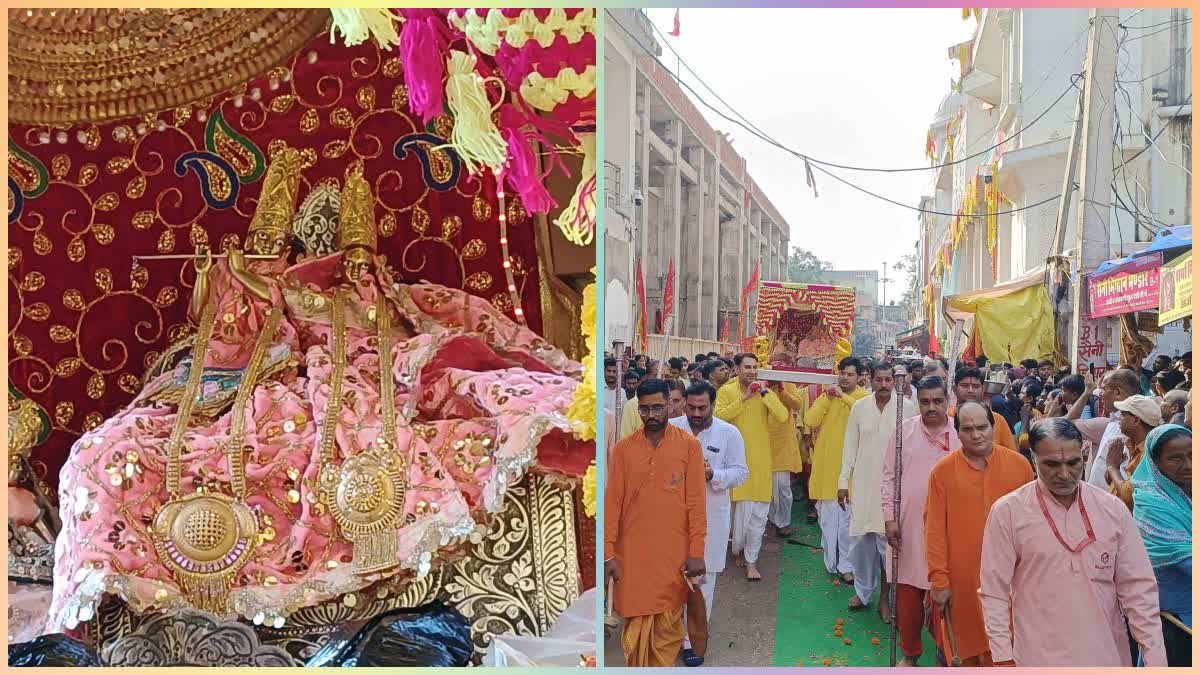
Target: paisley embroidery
point(241, 153)
point(30, 174)
point(218, 180)
point(440, 167)
point(16, 201)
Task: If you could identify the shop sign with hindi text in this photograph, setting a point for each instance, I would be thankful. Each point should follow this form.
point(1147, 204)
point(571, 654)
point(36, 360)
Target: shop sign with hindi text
point(1133, 287)
point(1175, 290)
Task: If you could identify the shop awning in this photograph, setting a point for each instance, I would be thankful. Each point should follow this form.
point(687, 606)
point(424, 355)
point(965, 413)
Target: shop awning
point(1167, 239)
point(1011, 321)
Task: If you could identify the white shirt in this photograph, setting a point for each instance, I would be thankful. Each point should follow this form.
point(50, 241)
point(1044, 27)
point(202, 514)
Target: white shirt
point(725, 452)
point(867, 433)
point(610, 399)
point(1099, 461)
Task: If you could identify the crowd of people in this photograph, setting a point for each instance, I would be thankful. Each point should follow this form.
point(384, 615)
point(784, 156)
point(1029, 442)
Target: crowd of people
point(1034, 516)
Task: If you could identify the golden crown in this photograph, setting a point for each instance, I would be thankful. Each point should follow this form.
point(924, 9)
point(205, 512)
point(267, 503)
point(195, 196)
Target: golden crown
point(277, 203)
point(356, 219)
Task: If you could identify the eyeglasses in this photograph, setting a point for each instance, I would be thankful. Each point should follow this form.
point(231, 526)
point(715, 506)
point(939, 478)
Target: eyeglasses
point(657, 409)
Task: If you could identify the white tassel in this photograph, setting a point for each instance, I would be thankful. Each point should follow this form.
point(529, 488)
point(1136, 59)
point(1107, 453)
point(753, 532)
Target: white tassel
point(475, 136)
point(359, 24)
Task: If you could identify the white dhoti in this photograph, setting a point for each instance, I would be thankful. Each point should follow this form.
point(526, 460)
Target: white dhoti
point(749, 526)
point(866, 557)
point(708, 586)
point(835, 535)
point(781, 499)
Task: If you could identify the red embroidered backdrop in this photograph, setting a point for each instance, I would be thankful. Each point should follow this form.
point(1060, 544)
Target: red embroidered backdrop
point(84, 324)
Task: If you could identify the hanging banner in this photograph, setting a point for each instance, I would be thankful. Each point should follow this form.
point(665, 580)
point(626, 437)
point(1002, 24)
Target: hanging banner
point(1133, 287)
point(1175, 290)
point(1095, 338)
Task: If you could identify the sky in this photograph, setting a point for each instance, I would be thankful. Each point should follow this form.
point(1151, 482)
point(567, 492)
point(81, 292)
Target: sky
point(852, 86)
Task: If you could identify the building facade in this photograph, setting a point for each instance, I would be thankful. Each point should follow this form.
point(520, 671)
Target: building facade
point(675, 188)
point(1016, 89)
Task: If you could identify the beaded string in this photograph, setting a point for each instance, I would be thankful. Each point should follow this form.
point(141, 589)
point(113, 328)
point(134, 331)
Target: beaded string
point(508, 273)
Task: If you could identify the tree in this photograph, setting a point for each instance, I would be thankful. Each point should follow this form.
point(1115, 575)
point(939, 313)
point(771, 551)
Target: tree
point(862, 343)
point(805, 267)
point(911, 297)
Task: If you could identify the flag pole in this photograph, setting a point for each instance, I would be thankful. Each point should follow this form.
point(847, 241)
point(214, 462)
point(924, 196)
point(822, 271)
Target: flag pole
point(896, 514)
point(619, 398)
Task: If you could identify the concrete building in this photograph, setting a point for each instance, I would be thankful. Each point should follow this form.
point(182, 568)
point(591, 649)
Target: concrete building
point(1015, 68)
point(674, 187)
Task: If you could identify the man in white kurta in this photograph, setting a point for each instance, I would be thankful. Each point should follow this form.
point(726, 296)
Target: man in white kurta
point(725, 468)
point(871, 424)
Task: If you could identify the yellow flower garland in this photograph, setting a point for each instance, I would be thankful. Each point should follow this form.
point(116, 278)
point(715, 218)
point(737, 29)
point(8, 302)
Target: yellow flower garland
point(589, 490)
point(582, 412)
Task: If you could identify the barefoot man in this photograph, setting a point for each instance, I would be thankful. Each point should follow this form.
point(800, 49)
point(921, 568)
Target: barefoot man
point(872, 422)
point(654, 527)
point(747, 404)
point(962, 488)
point(926, 440)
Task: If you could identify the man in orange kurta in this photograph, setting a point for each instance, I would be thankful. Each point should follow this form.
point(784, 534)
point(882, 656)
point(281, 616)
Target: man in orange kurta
point(968, 386)
point(962, 488)
point(654, 528)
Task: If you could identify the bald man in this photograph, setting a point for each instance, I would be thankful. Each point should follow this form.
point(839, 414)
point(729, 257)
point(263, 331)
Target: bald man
point(1173, 404)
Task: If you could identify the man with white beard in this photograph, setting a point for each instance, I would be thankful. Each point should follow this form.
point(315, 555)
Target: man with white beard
point(724, 468)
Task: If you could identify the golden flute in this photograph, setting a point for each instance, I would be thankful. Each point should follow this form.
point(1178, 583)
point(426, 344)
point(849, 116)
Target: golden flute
point(189, 256)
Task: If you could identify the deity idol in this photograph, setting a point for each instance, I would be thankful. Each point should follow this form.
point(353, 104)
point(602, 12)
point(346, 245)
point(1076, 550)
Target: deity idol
point(189, 492)
point(429, 402)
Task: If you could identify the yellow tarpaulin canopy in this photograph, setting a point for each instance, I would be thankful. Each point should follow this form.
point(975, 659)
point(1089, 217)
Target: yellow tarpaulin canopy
point(1012, 321)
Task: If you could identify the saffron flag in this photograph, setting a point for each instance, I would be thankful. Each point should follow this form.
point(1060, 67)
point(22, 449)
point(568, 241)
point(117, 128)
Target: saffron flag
point(675, 31)
point(725, 329)
point(640, 329)
point(750, 286)
point(668, 294)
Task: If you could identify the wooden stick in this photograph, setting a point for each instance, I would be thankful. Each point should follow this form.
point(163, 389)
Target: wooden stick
point(896, 514)
point(954, 660)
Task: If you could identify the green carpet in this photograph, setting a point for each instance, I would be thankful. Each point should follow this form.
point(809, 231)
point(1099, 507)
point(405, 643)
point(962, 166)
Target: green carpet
point(810, 603)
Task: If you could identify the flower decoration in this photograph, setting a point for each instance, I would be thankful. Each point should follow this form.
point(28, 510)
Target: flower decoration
point(582, 411)
point(589, 490)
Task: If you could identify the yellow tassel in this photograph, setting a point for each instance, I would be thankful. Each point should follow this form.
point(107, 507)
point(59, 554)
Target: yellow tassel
point(578, 220)
point(475, 136)
point(359, 24)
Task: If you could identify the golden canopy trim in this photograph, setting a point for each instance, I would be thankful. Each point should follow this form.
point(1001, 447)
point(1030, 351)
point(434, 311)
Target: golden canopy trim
point(95, 65)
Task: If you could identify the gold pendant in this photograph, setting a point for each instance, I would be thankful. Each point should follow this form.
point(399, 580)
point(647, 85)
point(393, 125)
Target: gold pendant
point(366, 497)
point(204, 539)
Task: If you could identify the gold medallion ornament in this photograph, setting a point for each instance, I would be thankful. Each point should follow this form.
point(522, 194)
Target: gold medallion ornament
point(366, 493)
point(205, 538)
point(98, 64)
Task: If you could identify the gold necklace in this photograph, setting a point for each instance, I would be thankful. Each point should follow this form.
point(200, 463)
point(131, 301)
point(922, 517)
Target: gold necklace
point(366, 493)
point(205, 538)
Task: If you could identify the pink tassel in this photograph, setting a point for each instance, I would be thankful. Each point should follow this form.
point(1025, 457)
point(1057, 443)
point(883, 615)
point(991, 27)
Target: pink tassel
point(522, 173)
point(422, 49)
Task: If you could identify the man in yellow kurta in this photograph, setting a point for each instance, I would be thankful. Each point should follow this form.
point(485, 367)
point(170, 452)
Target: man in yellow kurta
point(785, 454)
point(828, 415)
point(747, 404)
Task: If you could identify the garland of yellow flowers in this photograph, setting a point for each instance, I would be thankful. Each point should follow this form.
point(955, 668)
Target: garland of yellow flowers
point(589, 490)
point(582, 411)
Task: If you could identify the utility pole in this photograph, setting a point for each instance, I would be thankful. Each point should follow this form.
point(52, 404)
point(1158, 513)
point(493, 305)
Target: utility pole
point(1096, 162)
point(884, 281)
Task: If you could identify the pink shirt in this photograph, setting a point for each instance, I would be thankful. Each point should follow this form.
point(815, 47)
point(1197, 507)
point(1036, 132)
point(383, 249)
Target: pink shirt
point(1066, 608)
point(921, 450)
